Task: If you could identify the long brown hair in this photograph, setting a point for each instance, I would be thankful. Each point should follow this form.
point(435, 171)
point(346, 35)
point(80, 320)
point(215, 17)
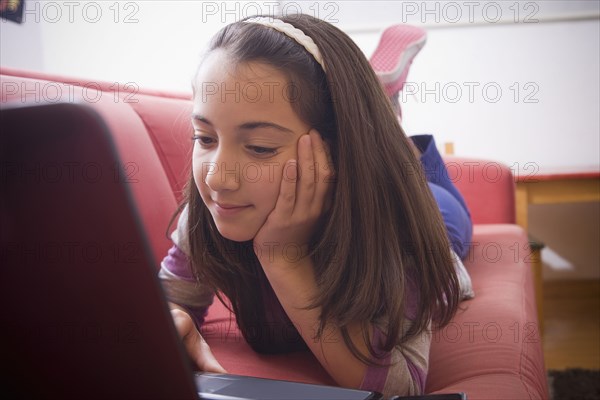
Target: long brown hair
point(383, 234)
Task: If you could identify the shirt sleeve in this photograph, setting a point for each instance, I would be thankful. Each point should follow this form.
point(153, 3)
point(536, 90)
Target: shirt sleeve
point(177, 279)
point(403, 370)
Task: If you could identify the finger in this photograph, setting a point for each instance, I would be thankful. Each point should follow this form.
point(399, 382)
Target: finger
point(324, 170)
point(306, 183)
point(205, 359)
point(287, 191)
point(194, 343)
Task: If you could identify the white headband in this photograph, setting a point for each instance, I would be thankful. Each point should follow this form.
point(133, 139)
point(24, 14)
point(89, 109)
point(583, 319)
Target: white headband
point(292, 32)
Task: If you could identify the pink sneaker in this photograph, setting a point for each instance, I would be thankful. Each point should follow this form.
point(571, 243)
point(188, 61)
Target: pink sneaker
point(398, 45)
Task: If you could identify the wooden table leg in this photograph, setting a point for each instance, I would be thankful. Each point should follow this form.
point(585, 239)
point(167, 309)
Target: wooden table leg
point(522, 205)
point(538, 280)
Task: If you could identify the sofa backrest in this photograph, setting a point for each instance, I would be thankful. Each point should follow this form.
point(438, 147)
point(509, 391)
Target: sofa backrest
point(487, 186)
point(152, 131)
point(168, 123)
point(144, 156)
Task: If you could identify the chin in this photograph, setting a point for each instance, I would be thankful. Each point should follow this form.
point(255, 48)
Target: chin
point(235, 234)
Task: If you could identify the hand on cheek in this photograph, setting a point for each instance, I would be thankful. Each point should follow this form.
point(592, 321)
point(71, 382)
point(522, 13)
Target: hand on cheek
point(303, 198)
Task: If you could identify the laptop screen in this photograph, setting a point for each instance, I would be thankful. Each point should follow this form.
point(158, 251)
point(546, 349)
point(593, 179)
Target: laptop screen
point(83, 313)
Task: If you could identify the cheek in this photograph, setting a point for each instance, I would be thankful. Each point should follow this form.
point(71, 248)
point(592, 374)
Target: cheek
point(199, 170)
point(268, 185)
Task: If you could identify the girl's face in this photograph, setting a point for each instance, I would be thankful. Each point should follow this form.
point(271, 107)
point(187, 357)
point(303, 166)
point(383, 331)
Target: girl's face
point(245, 130)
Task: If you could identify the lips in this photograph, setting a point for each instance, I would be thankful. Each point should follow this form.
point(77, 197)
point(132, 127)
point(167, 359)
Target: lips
point(227, 209)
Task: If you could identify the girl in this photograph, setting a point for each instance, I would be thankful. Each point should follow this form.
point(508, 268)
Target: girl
point(308, 210)
point(391, 61)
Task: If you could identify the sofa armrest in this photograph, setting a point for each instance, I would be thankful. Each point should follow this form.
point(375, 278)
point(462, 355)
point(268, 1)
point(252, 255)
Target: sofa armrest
point(487, 187)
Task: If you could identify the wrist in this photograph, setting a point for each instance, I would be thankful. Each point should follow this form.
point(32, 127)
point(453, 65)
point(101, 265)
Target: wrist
point(293, 281)
point(281, 254)
point(173, 306)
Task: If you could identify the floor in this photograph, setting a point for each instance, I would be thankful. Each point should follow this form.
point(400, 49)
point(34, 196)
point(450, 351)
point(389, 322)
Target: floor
point(572, 324)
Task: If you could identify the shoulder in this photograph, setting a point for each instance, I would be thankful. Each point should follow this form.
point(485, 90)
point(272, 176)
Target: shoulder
point(180, 234)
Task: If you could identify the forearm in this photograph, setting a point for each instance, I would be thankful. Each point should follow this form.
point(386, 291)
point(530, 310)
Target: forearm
point(182, 291)
point(295, 286)
point(173, 306)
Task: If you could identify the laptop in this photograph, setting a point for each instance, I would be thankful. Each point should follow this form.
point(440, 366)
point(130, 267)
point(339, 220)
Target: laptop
point(83, 314)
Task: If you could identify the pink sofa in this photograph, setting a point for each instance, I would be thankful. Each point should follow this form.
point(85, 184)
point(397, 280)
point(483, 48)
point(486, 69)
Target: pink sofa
point(492, 348)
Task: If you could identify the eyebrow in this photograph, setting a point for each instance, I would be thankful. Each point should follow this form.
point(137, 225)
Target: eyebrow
point(249, 125)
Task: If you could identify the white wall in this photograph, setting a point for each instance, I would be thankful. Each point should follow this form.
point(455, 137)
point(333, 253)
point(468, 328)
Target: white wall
point(514, 92)
point(547, 72)
point(535, 92)
point(549, 50)
point(154, 44)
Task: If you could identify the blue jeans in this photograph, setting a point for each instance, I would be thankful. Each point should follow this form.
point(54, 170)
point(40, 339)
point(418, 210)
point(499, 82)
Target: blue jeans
point(453, 208)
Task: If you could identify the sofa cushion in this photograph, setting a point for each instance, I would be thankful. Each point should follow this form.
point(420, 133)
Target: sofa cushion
point(491, 349)
point(235, 355)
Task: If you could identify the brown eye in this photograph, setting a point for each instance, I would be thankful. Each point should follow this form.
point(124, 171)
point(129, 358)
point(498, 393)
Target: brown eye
point(262, 151)
point(203, 140)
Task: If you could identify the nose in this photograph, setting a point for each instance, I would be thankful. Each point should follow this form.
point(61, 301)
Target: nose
point(221, 174)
